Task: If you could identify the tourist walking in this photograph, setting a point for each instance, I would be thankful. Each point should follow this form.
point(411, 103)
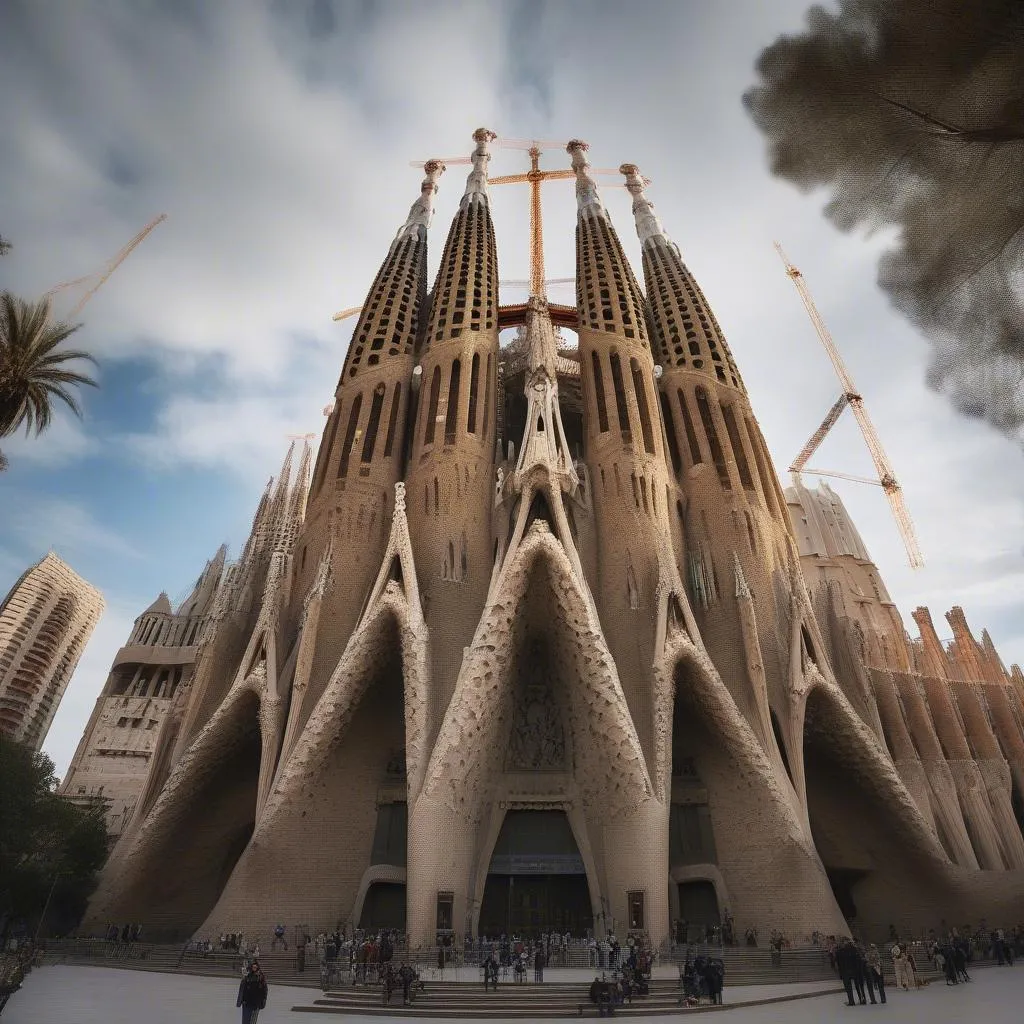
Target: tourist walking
point(876, 974)
point(849, 969)
point(252, 993)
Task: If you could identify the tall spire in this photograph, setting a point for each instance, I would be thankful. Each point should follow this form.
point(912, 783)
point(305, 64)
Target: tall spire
point(422, 211)
point(476, 183)
point(648, 227)
point(688, 335)
point(586, 187)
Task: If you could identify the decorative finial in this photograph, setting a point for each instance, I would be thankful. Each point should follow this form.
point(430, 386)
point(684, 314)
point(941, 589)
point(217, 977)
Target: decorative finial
point(476, 183)
point(647, 223)
point(400, 496)
point(586, 187)
point(422, 210)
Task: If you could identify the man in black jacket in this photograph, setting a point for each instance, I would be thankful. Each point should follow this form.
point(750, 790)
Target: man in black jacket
point(252, 993)
point(848, 963)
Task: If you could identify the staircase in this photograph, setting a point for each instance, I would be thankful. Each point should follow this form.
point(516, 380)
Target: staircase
point(455, 1001)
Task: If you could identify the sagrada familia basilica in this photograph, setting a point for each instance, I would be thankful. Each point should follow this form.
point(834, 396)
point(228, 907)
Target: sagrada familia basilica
point(540, 641)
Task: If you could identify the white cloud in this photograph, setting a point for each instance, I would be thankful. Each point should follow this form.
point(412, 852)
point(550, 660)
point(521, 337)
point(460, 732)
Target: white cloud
point(44, 523)
point(65, 441)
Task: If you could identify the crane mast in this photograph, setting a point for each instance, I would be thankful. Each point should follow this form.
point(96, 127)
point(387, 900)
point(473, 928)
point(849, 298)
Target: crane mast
point(851, 397)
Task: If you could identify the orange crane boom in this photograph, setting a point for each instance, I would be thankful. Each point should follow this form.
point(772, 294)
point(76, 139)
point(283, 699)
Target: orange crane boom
point(100, 278)
point(852, 398)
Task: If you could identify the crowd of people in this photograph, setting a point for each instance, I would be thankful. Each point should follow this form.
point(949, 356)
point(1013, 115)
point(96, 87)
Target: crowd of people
point(701, 980)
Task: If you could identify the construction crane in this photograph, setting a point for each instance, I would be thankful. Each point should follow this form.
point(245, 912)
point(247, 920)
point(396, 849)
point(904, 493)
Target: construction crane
point(535, 177)
point(97, 280)
point(851, 397)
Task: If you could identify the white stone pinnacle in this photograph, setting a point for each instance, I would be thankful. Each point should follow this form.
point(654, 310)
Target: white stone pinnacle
point(476, 183)
point(422, 211)
point(586, 187)
point(648, 227)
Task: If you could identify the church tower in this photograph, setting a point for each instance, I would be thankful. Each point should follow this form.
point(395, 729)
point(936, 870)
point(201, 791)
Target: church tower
point(623, 446)
point(736, 545)
point(364, 446)
point(451, 469)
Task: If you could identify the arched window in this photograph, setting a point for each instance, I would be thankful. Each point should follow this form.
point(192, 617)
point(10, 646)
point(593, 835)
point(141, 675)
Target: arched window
point(641, 403)
point(437, 497)
point(737, 447)
point(464, 557)
point(620, 396)
point(350, 436)
point(451, 560)
point(691, 434)
point(435, 394)
point(670, 431)
point(602, 407)
point(451, 419)
point(474, 384)
point(717, 455)
point(396, 401)
point(373, 423)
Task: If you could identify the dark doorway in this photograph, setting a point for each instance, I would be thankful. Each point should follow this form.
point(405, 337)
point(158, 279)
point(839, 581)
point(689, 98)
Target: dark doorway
point(537, 881)
point(842, 881)
point(384, 907)
point(698, 903)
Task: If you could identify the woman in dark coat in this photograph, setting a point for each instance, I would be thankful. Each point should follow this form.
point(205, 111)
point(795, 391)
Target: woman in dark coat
point(252, 993)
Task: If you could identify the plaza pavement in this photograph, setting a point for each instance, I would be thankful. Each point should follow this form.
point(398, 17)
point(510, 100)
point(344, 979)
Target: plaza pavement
point(99, 995)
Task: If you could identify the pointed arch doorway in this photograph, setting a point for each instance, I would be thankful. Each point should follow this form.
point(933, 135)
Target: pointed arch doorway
point(537, 880)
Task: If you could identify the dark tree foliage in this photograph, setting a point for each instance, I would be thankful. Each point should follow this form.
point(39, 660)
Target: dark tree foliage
point(46, 843)
point(911, 114)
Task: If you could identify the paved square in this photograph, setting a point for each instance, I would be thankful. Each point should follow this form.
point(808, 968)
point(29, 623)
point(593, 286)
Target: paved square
point(98, 995)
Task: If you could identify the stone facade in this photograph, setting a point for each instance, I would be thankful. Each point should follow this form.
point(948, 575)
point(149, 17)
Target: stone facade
point(540, 641)
point(45, 622)
point(148, 673)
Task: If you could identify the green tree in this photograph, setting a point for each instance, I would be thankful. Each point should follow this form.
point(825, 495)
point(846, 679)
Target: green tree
point(51, 850)
point(33, 371)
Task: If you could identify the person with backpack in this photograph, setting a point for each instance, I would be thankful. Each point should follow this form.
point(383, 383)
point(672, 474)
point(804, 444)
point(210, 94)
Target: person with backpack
point(252, 993)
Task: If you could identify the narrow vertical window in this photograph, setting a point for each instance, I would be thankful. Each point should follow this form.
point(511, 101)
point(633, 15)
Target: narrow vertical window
point(373, 423)
point(670, 431)
point(691, 434)
point(451, 418)
point(350, 436)
point(396, 401)
point(602, 407)
point(717, 455)
point(641, 403)
point(324, 455)
point(620, 395)
point(487, 395)
point(474, 385)
point(435, 394)
point(737, 447)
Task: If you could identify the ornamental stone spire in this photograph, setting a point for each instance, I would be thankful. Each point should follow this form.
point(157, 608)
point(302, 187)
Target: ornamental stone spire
point(648, 227)
point(422, 211)
point(476, 183)
point(586, 188)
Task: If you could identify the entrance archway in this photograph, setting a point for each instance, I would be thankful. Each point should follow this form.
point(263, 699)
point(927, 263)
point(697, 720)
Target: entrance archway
point(537, 881)
point(384, 907)
point(698, 904)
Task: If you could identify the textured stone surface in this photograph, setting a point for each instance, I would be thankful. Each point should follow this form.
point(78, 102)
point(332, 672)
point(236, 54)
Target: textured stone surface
point(555, 578)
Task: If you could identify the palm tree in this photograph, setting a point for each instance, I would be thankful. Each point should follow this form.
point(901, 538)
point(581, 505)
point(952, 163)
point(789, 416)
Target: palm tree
point(32, 373)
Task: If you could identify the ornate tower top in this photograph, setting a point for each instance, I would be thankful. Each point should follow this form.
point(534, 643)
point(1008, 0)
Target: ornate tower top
point(648, 227)
point(476, 183)
point(422, 211)
point(586, 187)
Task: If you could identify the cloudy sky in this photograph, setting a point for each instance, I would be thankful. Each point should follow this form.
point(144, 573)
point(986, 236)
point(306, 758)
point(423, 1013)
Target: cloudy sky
point(277, 137)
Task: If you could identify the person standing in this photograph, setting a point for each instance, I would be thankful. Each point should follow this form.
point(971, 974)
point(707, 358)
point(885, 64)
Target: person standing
point(252, 993)
point(538, 964)
point(876, 974)
point(846, 961)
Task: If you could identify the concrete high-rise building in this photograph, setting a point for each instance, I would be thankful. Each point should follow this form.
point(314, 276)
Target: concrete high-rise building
point(543, 643)
point(45, 622)
point(148, 673)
